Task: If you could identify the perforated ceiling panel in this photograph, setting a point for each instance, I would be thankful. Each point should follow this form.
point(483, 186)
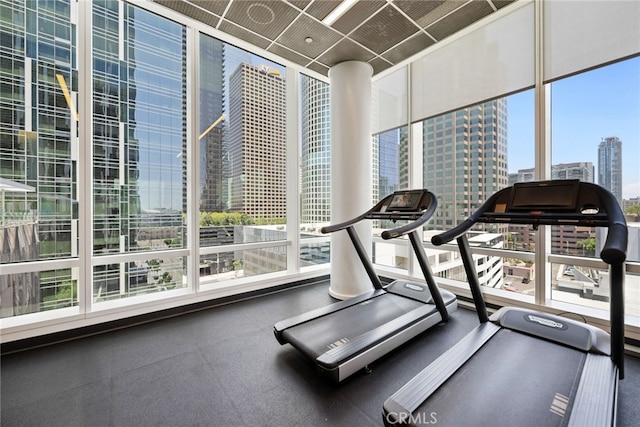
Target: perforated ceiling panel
point(381, 32)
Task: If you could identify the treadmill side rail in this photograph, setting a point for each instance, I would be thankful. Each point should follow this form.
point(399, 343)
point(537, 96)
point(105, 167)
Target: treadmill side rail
point(592, 405)
point(282, 325)
point(398, 408)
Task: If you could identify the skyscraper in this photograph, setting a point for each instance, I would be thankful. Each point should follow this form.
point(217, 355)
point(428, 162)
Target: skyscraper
point(257, 141)
point(610, 166)
point(315, 165)
point(213, 159)
point(584, 171)
point(465, 159)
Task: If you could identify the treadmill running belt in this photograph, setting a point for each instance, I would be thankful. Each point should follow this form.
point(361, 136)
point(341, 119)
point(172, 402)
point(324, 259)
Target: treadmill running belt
point(320, 335)
point(513, 380)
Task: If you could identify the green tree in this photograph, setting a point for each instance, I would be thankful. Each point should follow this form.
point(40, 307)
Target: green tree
point(588, 245)
point(633, 210)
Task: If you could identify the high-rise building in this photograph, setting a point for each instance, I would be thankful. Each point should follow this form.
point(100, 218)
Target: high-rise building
point(213, 159)
point(465, 159)
point(610, 166)
point(315, 184)
point(584, 171)
point(257, 141)
point(564, 239)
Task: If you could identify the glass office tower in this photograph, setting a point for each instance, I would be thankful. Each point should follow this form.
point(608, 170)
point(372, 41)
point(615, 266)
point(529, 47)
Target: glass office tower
point(465, 159)
point(610, 166)
point(315, 153)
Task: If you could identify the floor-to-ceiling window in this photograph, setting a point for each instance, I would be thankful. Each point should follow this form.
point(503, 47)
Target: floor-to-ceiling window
point(242, 163)
point(139, 140)
point(596, 138)
point(38, 157)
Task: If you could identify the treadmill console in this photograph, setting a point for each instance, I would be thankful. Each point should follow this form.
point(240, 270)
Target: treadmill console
point(553, 196)
point(408, 200)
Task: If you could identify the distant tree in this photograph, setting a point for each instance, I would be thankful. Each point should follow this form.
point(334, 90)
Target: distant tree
point(633, 210)
point(588, 245)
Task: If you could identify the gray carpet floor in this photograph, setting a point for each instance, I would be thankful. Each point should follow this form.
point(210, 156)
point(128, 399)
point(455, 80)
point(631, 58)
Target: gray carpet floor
point(222, 367)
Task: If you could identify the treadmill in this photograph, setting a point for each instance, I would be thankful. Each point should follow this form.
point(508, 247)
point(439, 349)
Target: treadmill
point(521, 366)
point(346, 336)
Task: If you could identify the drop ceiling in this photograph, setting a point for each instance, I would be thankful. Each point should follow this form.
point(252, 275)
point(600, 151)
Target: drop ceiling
point(380, 32)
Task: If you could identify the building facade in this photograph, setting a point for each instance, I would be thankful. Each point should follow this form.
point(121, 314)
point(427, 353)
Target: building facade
point(465, 159)
point(315, 160)
point(610, 166)
point(257, 141)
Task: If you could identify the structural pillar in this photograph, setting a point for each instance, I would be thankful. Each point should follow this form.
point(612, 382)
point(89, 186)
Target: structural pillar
point(351, 173)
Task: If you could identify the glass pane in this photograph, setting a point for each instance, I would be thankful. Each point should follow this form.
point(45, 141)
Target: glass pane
point(127, 279)
point(139, 133)
point(469, 155)
point(242, 134)
point(38, 137)
point(314, 253)
point(599, 111)
point(246, 263)
point(24, 293)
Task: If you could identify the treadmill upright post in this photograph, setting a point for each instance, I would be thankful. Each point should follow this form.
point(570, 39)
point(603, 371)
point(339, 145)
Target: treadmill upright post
point(416, 242)
point(472, 278)
point(362, 253)
point(616, 296)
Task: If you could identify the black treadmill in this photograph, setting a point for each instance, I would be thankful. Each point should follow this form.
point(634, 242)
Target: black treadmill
point(346, 336)
point(522, 367)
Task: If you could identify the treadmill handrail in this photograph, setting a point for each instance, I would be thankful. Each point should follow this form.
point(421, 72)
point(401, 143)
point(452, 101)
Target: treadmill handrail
point(418, 217)
point(610, 216)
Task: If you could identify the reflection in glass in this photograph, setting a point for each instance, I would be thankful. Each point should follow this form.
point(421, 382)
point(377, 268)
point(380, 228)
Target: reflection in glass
point(242, 263)
point(127, 279)
point(139, 180)
point(24, 293)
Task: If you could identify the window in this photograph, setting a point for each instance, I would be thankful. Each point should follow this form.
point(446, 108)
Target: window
point(596, 111)
point(242, 145)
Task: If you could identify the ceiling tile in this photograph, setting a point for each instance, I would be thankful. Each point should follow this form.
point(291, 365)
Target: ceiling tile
point(303, 27)
point(191, 11)
point(300, 4)
point(357, 14)
point(318, 68)
point(499, 4)
point(239, 32)
point(463, 17)
point(346, 50)
point(379, 65)
point(288, 54)
point(385, 29)
point(265, 17)
point(218, 7)
point(427, 12)
point(319, 9)
point(408, 48)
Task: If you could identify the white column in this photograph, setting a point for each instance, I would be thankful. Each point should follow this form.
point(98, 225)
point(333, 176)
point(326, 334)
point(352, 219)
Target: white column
point(351, 172)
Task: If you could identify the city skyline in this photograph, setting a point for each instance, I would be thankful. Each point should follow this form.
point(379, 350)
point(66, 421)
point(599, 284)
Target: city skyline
point(586, 108)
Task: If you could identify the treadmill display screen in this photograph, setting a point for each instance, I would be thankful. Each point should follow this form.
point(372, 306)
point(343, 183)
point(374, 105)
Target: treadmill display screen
point(406, 200)
point(548, 196)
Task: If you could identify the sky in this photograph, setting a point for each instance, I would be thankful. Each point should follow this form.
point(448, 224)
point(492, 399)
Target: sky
point(585, 108)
